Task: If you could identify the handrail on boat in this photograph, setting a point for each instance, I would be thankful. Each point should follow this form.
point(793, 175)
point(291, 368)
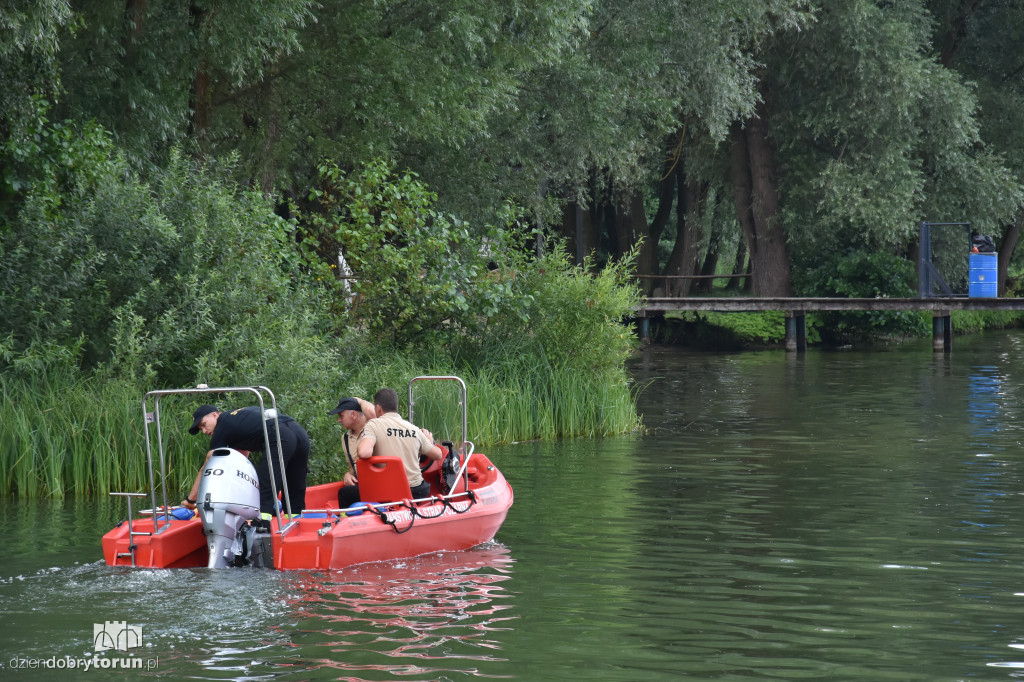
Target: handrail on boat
point(465, 448)
point(465, 430)
point(378, 505)
point(154, 417)
point(131, 530)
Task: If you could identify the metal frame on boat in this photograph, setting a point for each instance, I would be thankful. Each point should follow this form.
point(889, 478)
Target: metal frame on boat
point(467, 509)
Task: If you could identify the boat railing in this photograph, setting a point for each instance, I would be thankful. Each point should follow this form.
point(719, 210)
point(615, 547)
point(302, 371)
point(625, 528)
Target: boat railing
point(130, 554)
point(152, 420)
point(464, 469)
point(466, 449)
point(387, 505)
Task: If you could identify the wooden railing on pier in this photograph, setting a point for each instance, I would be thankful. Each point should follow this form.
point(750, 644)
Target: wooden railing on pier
point(796, 310)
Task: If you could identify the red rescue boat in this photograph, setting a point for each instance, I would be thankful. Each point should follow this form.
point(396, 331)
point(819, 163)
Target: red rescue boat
point(469, 501)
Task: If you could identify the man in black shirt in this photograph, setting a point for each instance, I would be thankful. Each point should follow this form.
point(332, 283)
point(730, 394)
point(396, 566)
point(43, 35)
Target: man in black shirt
point(242, 430)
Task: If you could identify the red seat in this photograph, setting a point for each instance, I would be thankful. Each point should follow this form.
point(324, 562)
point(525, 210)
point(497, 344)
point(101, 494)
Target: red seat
point(382, 479)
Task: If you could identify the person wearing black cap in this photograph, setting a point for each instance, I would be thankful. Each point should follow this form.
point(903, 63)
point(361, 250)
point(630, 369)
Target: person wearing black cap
point(353, 414)
point(242, 430)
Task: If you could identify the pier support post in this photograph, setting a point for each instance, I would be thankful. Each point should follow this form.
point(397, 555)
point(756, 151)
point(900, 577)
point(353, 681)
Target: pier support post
point(796, 332)
point(942, 332)
point(645, 330)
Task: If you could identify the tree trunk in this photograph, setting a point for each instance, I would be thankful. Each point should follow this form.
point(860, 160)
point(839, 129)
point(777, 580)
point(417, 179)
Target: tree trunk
point(134, 12)
point(710, 265)
point(685, 251)
point(647, 258)
point(1006, 248)
point(621, 227)
point(741, 186)
point(666, 197)
point(770, 259)
point(738, 266)
point(582, 231)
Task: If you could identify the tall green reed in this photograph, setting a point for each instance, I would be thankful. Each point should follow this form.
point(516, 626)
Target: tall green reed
point(70, 433)
point(64, 434)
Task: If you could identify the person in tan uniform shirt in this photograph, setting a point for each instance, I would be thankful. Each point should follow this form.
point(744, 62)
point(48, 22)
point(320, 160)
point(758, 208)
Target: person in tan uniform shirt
point(353, 414)
point(389, 434)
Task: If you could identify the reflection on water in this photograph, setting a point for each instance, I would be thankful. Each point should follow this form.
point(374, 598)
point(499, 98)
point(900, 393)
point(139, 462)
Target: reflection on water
point(428, 616)
point(846, 516)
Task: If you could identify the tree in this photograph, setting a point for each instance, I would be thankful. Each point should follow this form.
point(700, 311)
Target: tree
point(157, 74)
point(981, 41)
point(29, 46)
point(599, 126)
point(873, 135)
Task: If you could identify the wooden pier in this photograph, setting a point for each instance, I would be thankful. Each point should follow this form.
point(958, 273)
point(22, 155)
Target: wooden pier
point(796, 310)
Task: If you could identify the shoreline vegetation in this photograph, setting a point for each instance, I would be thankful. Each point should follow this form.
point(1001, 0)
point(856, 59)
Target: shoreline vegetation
point(204, 197)
point(117, 283)
point(185, 278)
point(68, 433)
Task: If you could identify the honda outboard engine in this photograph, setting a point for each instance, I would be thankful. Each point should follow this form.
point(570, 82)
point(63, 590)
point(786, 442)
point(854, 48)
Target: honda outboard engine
point(229, 495)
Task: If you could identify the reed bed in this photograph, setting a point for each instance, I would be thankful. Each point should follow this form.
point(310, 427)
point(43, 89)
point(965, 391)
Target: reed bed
point(531, 405)
point(63, 433)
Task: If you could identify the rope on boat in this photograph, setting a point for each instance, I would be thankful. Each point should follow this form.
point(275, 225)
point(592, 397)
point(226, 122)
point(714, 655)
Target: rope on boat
point(394, 524)
point(472, 500)
point(415, 513)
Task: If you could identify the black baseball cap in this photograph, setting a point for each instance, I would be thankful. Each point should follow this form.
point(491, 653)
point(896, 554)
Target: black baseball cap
point(198, 415)
point(346, 404)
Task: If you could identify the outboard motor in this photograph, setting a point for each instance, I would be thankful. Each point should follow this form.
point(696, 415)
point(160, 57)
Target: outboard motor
point(229, 495)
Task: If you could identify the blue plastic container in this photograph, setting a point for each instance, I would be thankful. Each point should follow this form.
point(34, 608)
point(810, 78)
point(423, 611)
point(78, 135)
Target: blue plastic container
point(356, 508)
point(983, 275)
point(179, 513)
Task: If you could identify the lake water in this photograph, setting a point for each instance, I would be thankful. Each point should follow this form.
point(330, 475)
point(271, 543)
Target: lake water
point(836, 515)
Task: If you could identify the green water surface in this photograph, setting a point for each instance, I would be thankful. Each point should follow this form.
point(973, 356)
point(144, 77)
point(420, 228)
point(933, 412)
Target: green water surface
point(831, 516)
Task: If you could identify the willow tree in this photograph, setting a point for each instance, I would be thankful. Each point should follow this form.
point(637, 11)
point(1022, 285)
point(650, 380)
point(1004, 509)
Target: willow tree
point(981, 41)
point(157, 74)
point(29, 46)
point(595, 127)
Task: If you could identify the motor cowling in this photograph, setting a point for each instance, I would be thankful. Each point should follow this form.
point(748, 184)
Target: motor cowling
point(229, 495)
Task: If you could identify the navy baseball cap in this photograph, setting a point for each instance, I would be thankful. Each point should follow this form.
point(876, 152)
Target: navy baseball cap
point(346, 404)
point(198, 415)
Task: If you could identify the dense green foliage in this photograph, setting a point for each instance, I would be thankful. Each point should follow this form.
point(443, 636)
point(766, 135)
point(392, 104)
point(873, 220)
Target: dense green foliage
point(182, 185)
point(860, 274)
point(150, 274)
point(115, 285)
point(400, 252)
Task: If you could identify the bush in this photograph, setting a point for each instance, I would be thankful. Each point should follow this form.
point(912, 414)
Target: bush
point(419, 274)
point(563, 315)
point(170, 275)
point(865, 275)
point(118, 285)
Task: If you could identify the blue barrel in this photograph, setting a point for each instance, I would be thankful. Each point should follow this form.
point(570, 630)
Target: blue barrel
point(983, 277)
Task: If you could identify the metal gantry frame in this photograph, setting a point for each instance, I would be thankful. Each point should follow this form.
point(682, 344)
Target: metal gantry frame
point(927, 274)
point(153, 417)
